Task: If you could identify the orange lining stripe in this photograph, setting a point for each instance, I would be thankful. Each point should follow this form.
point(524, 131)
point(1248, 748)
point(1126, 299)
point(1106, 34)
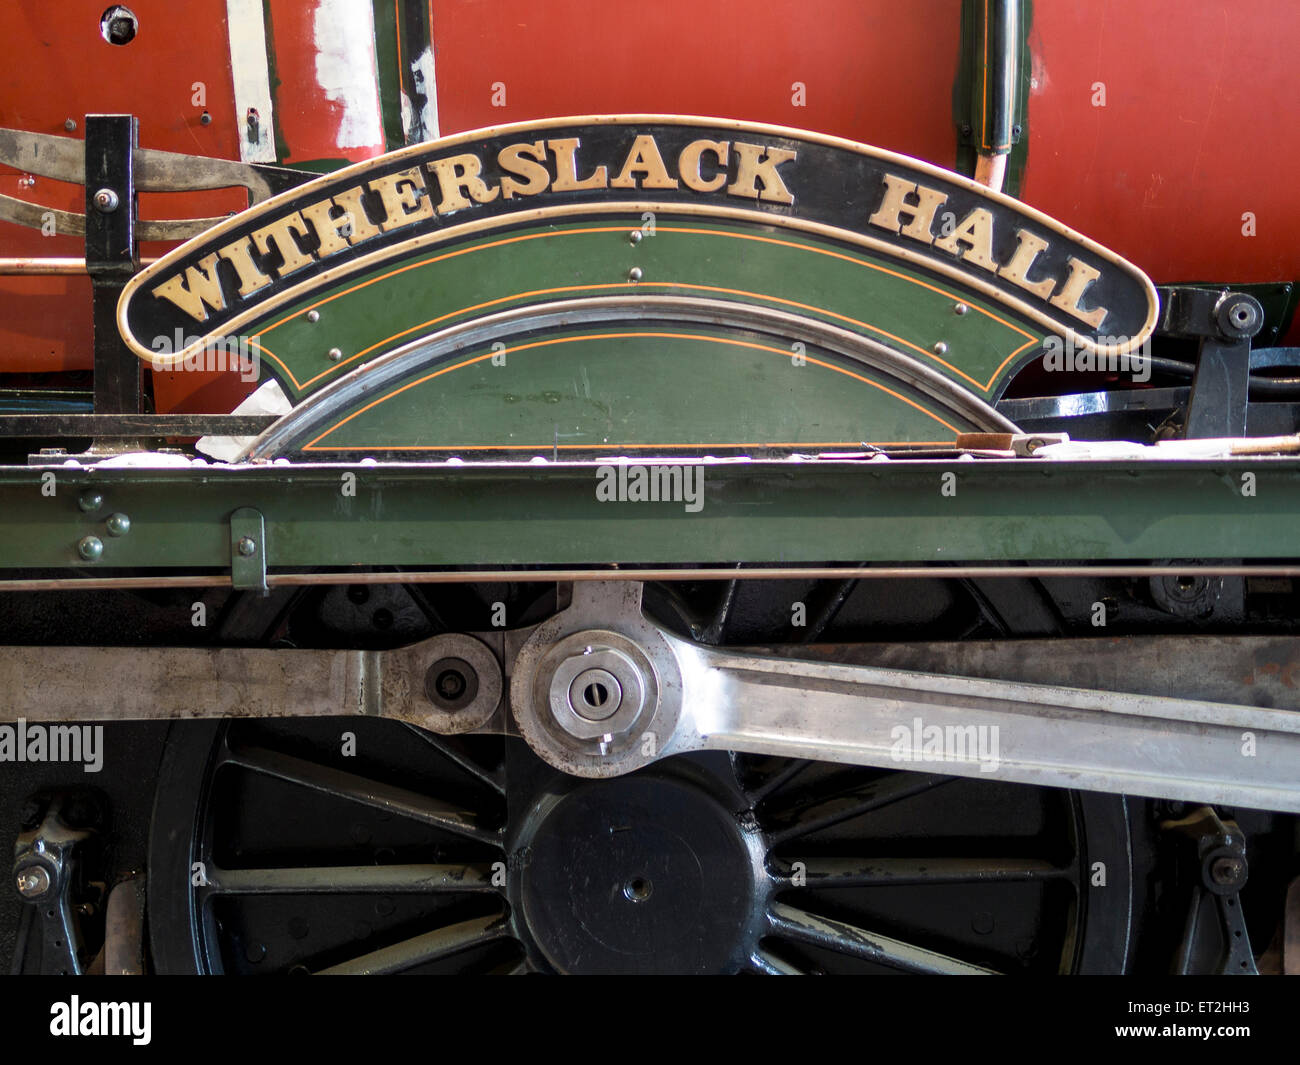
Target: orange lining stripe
point(1030, 340)
point(397, 26)
point(311, 446)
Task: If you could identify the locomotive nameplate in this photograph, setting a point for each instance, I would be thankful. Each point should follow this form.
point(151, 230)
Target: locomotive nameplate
point(233, 277)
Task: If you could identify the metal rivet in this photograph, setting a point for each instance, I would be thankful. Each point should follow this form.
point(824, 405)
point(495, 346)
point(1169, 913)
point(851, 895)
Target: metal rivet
point(69, 124)
point(635, 236)
point(313, 316)
point(205, 119)
point(961, 308)
point(634, 274)
point(106, 201)
point(118, 525)
point(335, 354)
point(90, 501)
point(90, 548)
point(941, 348)
point(247, 546)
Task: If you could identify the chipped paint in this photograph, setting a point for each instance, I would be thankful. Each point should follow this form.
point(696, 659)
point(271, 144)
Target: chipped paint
point(344, 33)
point(420, 118)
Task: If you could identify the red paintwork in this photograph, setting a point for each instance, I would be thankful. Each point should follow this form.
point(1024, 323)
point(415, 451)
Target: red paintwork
point(1195, 131)
point(1198, 128)
point(879, 72)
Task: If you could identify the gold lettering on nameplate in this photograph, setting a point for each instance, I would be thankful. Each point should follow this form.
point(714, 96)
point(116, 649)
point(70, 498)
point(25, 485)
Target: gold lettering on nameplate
point(394, 201)
point(747, 170)
point(909, 209)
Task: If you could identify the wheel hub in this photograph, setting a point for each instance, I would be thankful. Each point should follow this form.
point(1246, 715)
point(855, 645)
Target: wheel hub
point(647, 873)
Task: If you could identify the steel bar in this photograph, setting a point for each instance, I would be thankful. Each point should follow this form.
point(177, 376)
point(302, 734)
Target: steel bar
point(639, 573)
point(52, 426)
point(1059, 736)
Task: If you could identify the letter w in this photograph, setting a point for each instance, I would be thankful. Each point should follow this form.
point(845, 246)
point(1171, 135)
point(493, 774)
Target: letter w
point(196, 290)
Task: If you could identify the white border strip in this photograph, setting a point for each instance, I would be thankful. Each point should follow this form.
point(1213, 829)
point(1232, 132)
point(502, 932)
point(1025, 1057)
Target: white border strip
point(251, 74)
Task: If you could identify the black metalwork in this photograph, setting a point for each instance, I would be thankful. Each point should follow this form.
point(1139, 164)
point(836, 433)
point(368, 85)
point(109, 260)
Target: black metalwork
point(1215, 938)
point(1224, 322)
point(110, 255)
point(49, 873)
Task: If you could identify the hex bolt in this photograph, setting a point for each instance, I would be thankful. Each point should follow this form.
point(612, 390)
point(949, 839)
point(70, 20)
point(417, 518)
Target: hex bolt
point(106, 201)
point(90, 502)
point(1227, 871)
point(32, 882)
point(634, 274)
point(246, 546)
point(90, 548)
point(118, 525)
point(335, 354)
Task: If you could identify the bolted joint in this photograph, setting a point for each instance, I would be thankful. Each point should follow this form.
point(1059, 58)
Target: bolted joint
point(33, 882)
point(106, 201)
point(1228, 871)
point(597, 693)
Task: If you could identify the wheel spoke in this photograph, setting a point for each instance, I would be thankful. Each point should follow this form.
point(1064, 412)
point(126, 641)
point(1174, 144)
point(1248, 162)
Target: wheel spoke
point(854, 802)
point(431, 946)
point(767, 964)
point(778, 779)
point(493, 778)
point(797, 925)
point(352, 879)
point(362, 790)
point(882, 872)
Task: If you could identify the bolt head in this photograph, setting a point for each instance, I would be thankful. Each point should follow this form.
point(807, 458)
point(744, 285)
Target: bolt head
point(960, 309)
point(313, 316)
point(69, 124)
point(106, 201)
point(335, 354)
point(205, 119)
point(246, 546)
point(90, 501)
point(33, 882)
point(634, 274)
point(635, 236)
point(91, 548)
point(941, 348)
point(118, 525)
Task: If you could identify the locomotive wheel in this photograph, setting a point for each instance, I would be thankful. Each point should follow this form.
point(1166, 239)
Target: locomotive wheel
point(274, 850)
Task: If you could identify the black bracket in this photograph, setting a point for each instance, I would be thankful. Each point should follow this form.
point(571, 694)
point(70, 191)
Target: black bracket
point(47, 873)
point(1215, 939)
point(111, 255)
point(1224, 322)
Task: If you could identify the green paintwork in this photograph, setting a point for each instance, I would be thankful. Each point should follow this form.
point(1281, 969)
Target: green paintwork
point(965, 96)
point(801, 275)
point(390, 88)
point(604, 389)
point(753, 512)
